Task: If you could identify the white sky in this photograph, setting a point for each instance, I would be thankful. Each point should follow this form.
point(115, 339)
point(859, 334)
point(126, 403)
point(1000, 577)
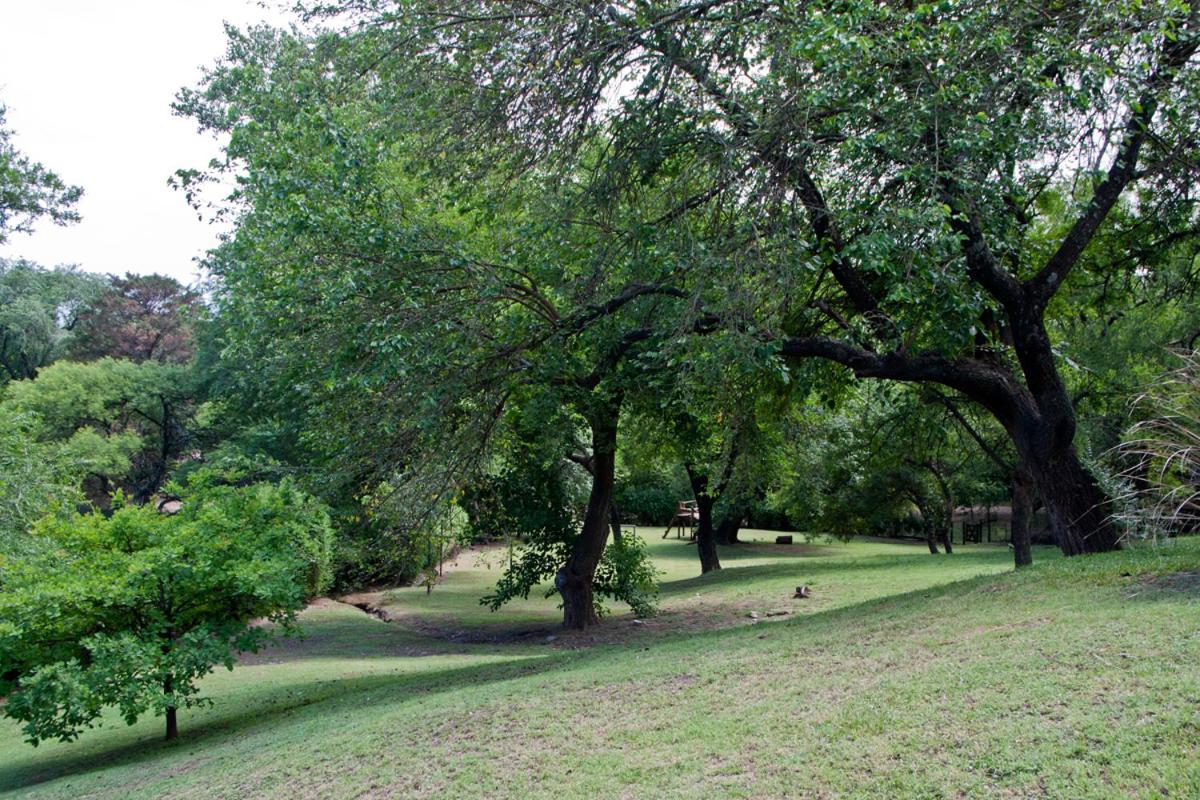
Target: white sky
point(89, 85)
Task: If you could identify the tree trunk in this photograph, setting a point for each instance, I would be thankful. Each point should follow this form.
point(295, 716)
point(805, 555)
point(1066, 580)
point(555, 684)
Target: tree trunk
point(947, 534)
point(574, 579)
point(172, 719)
point(1045, 442)
point(706, 543)
point(1075, 503)
point(1022, 511)
point(930, 539)
point(614, 522)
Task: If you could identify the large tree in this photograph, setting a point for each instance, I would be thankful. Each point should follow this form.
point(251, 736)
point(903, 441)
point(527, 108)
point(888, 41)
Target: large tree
point(889, 161)
point(397, 310)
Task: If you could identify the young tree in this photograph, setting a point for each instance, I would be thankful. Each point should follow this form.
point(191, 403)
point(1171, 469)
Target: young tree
point(130, 611)
point(889, 160)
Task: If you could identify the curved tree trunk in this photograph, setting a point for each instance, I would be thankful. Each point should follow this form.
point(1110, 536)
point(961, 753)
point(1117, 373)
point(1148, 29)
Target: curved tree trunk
point(930, 538)
point(574, 579)
point(706, 543)
point(1022, 512)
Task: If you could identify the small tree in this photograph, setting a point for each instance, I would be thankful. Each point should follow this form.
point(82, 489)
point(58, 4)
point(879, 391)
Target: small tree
point(130, 611)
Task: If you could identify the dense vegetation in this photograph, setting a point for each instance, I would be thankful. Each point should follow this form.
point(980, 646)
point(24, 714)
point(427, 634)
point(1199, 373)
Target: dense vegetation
point(524, 276)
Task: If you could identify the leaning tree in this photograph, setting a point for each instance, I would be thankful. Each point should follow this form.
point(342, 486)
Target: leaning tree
point(889, 161)
point(396, 309)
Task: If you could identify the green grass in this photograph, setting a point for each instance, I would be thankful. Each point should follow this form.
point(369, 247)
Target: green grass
point(905, 675)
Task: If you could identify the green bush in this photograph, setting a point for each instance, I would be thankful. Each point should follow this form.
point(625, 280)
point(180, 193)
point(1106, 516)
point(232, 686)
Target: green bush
point(131, 610)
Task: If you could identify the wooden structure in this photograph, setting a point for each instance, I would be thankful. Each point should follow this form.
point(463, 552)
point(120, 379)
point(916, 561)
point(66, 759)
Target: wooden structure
point(686, 516)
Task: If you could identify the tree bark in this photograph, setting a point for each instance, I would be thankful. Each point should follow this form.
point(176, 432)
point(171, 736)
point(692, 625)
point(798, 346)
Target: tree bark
point(614, 522)
point(574, 579)
point(1078, 508)
point(930, 539)
point(706, 543)
point(172, 718)
point(1022, 511)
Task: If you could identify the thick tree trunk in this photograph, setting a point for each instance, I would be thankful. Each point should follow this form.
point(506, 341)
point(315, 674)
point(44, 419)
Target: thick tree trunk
point(930, 538)
point(706, 543)
point(574, 579)
point(947, 536)
point(1022, 512)
point(1045, 442)
point(1077, 507)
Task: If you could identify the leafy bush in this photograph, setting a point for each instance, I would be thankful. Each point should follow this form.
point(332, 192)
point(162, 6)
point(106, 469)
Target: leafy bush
point(130, 611)
point(650, 496)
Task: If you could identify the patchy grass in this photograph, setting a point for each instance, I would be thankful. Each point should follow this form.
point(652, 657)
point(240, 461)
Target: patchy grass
point(905, 675)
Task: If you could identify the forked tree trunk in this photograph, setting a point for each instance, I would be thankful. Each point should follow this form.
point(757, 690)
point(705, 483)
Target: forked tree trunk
point(574, 579)
point(1022, 513)
point(931, 539)
point(706, 542)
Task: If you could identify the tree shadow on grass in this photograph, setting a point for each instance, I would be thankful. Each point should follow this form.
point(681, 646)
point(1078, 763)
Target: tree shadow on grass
point(238, 716)
point(231, 720)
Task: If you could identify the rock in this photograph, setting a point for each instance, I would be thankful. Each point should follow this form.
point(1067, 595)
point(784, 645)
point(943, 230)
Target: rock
point(551, 638)
point(753, 615)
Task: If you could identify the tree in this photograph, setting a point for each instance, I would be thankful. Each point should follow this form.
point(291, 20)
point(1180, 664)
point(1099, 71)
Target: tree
point(140, 318)
point(130, 611)
point(128, 422)
point(889, 161)
point(402, 310)
point(36, 478)
point(29, 191)
point(39, 309)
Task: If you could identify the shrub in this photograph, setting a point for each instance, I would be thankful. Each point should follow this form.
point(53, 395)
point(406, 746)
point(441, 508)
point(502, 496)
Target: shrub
point(131, 610)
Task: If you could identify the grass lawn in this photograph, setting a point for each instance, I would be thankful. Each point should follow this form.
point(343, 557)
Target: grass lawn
point(905, 675)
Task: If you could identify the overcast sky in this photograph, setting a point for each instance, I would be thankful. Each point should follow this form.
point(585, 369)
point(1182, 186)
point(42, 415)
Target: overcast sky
point(89, 85)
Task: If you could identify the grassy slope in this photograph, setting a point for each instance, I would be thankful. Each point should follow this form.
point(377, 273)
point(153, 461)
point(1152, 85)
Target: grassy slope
point(906, 676)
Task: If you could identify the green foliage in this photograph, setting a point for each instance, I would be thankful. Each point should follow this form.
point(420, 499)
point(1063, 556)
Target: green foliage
point(625, 572)
point(130, 611)
point(29, 191)
point(36, 478)
point(39, 309)
point(649, 496)
point(127, 420)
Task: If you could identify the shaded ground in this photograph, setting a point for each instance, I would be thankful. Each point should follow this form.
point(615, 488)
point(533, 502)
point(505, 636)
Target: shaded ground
point(906, 676)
